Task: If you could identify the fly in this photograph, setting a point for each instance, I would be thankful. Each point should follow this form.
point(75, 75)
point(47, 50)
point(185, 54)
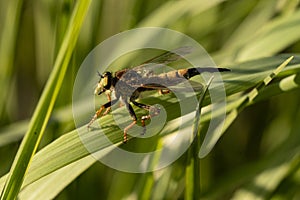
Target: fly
point(128, 84)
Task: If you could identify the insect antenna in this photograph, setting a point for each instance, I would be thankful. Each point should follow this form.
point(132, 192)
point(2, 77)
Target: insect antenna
point(99, 74)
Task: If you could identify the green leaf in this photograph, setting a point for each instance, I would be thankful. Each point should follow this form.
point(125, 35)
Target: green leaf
point(192, 176)
point(44, 188)
point(44, 108)
point(211, 139)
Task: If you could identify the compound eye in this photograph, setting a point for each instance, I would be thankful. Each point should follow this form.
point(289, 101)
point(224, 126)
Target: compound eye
point(101, 86)
point(104, 81)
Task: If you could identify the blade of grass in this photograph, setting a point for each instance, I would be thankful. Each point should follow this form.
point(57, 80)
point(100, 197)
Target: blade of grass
point(60, 153)
point(286, 84)
point(44, 188)
point(192, 171)
point(69, 148)
point(250, 73)
point(211, 140)
point(44, 108)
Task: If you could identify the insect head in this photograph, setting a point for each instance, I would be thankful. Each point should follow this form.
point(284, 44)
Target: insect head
point(104, 83)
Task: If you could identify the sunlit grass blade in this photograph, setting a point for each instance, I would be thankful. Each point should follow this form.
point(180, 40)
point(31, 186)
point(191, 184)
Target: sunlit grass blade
point(210, 140)
point(246, 75)
point(192, 171)
point(45, 105)
point(60, 153)
point(44, 188)
point(286, 84)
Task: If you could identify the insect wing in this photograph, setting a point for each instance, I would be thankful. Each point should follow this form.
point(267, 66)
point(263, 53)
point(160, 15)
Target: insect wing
point(170, 56)
point(156, 65)
point(140, 76)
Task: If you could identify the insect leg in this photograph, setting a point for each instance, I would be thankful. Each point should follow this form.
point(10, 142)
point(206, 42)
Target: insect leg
point(132, 113)
point(153, 111)
point(163, 91)
point(140, 105)
point(108, 108)
point(98, 112)
point(136, 95)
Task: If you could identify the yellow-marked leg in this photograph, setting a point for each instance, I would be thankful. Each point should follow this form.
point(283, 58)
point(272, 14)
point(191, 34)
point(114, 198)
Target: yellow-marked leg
point(97, 114)
point(126, 130)
point(106, 111)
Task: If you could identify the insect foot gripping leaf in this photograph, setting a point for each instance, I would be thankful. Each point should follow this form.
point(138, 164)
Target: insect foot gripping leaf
point(97, 114)
point(153, 111)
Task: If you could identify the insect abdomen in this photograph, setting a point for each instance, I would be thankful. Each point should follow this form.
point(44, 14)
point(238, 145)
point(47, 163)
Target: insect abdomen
point(189, 73)
point(177, 76)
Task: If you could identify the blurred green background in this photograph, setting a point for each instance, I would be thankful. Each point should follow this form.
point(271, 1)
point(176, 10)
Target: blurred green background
point(263, 142)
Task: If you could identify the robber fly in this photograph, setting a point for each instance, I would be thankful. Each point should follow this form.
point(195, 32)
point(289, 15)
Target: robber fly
point(128, 84)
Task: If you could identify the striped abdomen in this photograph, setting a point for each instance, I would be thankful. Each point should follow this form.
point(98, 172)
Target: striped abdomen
point(177, 76)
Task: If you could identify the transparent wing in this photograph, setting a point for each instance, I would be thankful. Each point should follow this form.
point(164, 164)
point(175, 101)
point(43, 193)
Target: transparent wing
point(157, 64)
point(146, 74)
point(170, 56)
